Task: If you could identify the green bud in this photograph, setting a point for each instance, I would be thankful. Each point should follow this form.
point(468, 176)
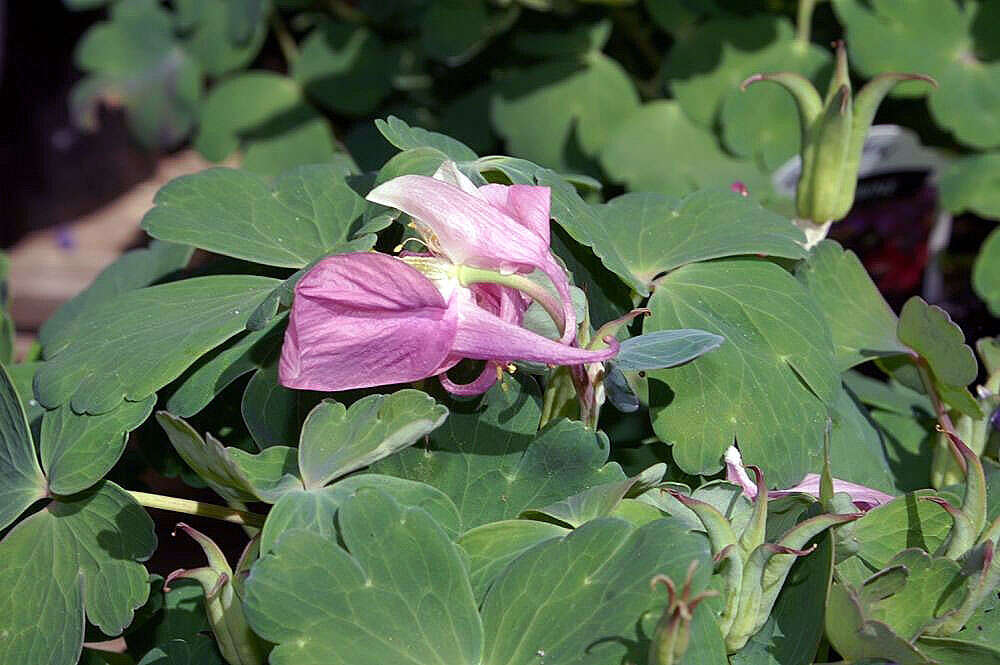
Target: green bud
point(833, 134)
point(238, 644)
point(673, 631)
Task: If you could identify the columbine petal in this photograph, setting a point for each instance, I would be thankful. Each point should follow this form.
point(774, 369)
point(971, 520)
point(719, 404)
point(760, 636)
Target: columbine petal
point(365, 319)
point(470, 230)
point(528, 205)
point(863, 497)
point(483, 335)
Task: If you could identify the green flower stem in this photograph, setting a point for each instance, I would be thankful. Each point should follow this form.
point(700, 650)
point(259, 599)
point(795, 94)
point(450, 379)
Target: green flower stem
point(803, 28)
point(286, 42)
point(468, 275)
point(198, 508)
point(944, 420)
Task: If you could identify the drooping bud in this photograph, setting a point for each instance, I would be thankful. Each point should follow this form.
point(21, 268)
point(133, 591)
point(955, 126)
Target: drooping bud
point(238, 644)
point(673, 631)
point(833, 135)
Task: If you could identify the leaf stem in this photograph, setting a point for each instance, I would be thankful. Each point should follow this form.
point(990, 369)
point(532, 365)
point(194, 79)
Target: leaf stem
point(944, 420)
point(803, 26)
point(286, 42)
point(190, 507)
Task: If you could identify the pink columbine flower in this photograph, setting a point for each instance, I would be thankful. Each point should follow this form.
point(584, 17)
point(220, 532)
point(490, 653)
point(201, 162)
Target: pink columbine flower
point(368, 319)
point(494, 227)
point(865, 498)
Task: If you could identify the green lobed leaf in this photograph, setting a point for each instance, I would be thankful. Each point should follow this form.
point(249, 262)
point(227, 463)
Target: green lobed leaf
point(405, 137)
point(859, 638)
point(345, 68)
point(767, 387)
point(316, 509)
point(208, 32)
point(21, 479)
point(972, 184)
point(492, 547)
point(214, 371)
point(400, 583)
point(76, 557)
point(337, 440)
point(934, 38)
point(862, 323)
point(265, 114)
point(132, 345)
point(636, 150)
point(78, 450)
point(493, 463)
point(132, 270)
point(933, 586)
point(234, 474)
point(194, 650)
point(550, 111)
point(929, 331)
point(597, 501)
point(947, 650)
point(405, 576)
point(856, 449)
point(181, 615)
point(640, 236)
point(305, 214)
point(986, 272)
point(133, 60)
point(903, 523)
point(704, 70)
point(273, 413)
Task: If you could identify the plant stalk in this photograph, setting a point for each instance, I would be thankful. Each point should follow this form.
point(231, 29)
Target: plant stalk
point(286, 42)
point(190, 507)
point(803, 28)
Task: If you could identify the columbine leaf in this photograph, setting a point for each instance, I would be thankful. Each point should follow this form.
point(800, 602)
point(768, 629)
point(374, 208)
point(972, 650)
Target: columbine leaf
point(665, 348)
point(405, 137)
point(316, 509)
point(858, 637)
point(266, 115)
point(273, 413)
point(134, 344)
point(634, 155)
point(986, 273)
point(972, 184)
point(132, 270)
point(337, 440)
point(305, 214)
point(209, 34)
point(214, 371)
point(400, 582)
point(76, 555)
point(862, 324)
point(529, 608)
point(234, 474)
point(21, 479)
point(194, 650)
point(768, 386)
point(930, 332)
point(640, 236)
point(494, 463)
point(345, 68)
point(891, 528)
point(134, 60)
point(78, 450)
point(704, 70)
point(491, 547)
point(932, 38)
point(570, 104)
